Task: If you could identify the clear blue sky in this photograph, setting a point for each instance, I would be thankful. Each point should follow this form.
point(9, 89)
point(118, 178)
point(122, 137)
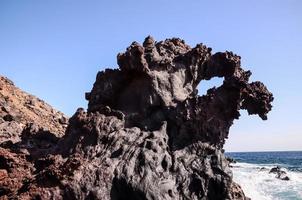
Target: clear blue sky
point(53, 49)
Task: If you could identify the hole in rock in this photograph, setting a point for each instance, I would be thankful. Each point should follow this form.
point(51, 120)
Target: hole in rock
point(204, 85)
point(117, 153)
point(170, 193)
point(196, 187)
point(4, 163)
point(164, 164)
point(122, 190)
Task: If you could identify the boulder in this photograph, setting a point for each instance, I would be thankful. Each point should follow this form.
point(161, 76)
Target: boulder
point(231, 160)
point(280, 174)
point(275, 169)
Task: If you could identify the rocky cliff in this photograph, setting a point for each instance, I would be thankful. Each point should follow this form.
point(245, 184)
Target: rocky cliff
point(147, 134)
point(20, 110)
point(28, 128)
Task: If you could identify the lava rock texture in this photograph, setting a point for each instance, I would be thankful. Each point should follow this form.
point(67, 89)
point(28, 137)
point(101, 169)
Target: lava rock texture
point(147, 134)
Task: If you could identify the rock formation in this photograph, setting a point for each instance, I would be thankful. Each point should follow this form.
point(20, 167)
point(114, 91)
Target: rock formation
point(147, 134)
point(19, 110)
point(28, 127)
point(280, 174)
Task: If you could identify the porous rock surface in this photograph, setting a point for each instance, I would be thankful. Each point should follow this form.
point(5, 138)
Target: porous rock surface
point(147, 134)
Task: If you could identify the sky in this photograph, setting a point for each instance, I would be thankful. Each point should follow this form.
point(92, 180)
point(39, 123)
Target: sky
point(54, 49)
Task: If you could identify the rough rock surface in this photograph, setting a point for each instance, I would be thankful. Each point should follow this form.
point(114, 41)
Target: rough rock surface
point(146, 134)
point(19, 110)
point(28, 128)
point(280, 174)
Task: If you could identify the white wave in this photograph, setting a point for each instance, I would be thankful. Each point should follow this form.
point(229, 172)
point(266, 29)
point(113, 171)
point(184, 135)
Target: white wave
point(259, 184)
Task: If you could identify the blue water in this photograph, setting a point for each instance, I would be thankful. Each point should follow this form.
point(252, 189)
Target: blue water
point(292, 160)
point(260, 184)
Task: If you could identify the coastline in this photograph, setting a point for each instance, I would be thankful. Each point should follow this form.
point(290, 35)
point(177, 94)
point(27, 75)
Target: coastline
point(252, 172)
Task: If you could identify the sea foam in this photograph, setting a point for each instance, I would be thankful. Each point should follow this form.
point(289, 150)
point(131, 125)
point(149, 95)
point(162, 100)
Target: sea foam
point(259, 184)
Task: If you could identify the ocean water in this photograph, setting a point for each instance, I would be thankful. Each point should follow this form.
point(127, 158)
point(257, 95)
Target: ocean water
point(259, 184)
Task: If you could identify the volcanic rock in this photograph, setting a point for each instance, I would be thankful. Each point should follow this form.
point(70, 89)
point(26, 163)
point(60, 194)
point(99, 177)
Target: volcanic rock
point(147, 134)
point(280, 174)
point(29, 127)
point(19, 109)
point(275, 170)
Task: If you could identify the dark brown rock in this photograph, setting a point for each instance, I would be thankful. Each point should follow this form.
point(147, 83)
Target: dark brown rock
point(280, 174)
point(275, 170)
point(147, 133)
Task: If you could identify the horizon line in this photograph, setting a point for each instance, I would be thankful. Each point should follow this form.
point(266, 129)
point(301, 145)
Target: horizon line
point(263, 151)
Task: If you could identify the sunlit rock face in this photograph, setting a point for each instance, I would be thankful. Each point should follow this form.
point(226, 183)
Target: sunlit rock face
point(147, 134)
point(157, 82)
point(20, 110)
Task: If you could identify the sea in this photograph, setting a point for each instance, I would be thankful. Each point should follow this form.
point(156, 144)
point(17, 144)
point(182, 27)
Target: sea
point(251, 172)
